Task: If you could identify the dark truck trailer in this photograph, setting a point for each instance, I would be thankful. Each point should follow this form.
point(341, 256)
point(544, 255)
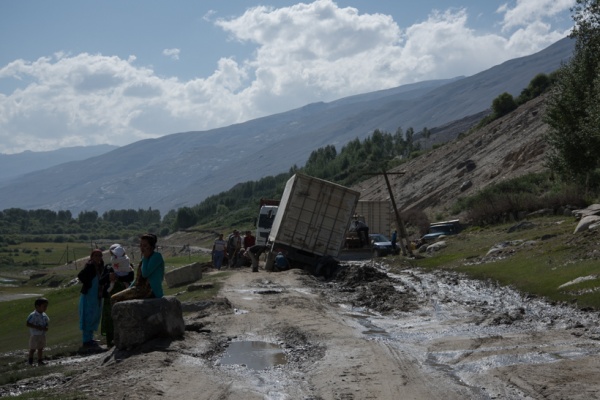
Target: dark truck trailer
point(311, 222)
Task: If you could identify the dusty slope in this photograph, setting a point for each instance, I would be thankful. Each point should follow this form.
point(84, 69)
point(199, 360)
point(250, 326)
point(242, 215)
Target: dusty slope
point(509, 147)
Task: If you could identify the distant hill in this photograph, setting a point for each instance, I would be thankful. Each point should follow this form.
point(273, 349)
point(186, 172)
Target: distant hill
point(182, 169)
point(14, 165)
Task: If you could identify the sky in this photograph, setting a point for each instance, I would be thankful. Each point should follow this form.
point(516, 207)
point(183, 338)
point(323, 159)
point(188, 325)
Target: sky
point(85, 72)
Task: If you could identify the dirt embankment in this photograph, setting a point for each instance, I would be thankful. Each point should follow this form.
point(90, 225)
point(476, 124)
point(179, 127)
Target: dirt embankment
point(509, 147)
point(368, 334)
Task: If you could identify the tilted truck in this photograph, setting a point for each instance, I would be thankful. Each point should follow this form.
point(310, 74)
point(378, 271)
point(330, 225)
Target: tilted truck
point(311, 221)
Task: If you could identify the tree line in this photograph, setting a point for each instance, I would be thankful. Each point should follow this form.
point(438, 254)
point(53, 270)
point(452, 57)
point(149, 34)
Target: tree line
point(61, 226)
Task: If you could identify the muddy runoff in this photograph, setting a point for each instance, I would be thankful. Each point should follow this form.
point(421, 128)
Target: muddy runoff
point(366, 333)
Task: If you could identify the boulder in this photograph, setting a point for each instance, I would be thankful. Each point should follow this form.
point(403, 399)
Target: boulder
point(593, 209)
point(585, 223)
point(138, 321)
point(186, 274)
point(437, 246)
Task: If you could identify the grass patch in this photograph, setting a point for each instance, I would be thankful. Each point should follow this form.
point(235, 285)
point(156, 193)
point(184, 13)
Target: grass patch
point(64, 322)
point(44, 253)
point(537, 260)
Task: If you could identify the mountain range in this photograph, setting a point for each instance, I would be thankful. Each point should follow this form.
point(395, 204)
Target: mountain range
point(182, 169)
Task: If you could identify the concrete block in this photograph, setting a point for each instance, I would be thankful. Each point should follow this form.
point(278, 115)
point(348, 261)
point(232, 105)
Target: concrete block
point(186, 274)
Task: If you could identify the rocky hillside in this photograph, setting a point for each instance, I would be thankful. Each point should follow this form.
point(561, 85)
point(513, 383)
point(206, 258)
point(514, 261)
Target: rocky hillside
point(508, 147)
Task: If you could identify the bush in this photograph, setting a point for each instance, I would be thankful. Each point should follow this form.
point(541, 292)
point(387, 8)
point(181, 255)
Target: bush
point(509, 199)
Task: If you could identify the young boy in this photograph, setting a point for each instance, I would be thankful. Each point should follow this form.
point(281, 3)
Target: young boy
point(37, 322)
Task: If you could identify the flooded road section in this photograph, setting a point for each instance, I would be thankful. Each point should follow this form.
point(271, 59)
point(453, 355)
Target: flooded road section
point(492, 339)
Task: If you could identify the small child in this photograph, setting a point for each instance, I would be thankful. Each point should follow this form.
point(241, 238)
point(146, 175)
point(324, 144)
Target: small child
point(120, 263)
point(37, 322)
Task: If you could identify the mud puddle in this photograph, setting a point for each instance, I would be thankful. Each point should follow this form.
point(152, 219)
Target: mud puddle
point(256, 355)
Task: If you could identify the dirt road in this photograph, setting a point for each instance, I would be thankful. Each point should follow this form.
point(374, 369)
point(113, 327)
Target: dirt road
point(369, 334)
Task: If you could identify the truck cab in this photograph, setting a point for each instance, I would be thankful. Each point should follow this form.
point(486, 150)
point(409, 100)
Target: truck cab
point(266, 216)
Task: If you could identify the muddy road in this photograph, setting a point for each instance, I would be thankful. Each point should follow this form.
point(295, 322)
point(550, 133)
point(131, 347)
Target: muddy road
point(368, 334)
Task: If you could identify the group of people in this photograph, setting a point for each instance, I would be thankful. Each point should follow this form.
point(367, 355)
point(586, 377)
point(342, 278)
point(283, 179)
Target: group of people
point(240, 251)
point(105, 285)
point(234, 250)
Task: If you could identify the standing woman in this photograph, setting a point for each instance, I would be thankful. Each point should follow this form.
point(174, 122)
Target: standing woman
point(90, 299)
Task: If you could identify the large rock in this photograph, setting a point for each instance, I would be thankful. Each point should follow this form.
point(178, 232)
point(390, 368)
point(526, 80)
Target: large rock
point(593, 209)
point(138, 321)
point(186, 274)
point(586, 222)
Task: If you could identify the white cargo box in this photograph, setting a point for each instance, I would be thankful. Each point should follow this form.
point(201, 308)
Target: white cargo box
point(313, 216)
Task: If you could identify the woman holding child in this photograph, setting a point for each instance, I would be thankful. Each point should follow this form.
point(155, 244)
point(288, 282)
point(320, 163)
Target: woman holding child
point(117, 276)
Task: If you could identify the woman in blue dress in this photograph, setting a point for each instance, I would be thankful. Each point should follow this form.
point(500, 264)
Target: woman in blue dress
point(90, 299)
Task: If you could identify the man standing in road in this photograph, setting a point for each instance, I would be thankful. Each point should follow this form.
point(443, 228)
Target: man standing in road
point(234, 244)
point(218, 251)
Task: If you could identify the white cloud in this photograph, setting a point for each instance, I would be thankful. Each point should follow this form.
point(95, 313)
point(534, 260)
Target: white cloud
point(172, 53)
point(527, 12)
point(304, 53)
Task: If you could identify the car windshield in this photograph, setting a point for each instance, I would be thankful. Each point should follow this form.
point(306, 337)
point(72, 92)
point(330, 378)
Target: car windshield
point(441, 229)
point(378, 237)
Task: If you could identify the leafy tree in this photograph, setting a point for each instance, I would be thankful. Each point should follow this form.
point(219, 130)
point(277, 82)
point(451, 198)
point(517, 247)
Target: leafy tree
point(538, 85)
point(503, 104)
point(573, 113)
point(185, 218)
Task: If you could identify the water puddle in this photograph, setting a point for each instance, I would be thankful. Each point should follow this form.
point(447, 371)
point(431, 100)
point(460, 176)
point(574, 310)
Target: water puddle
point(255, 355)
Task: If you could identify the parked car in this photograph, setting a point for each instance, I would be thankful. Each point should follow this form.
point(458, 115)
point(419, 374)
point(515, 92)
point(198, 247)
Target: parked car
point(381, 246)
point(438, 229)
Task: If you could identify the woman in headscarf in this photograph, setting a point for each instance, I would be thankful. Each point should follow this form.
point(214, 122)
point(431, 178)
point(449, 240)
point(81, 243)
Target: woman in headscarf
point(90, 299)
point(149, 275)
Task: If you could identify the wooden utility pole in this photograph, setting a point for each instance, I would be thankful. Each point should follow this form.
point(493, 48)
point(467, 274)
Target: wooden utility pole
point(406, 249)
point(399, 222)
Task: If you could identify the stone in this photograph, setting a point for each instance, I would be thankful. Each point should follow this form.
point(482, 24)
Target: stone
point(437, 246)
point(138, 321)
point(585, 223)
point(186, 274)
